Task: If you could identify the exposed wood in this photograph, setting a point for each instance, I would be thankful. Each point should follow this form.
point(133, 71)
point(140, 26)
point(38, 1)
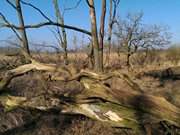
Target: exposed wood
point(9, 75)
point(118, 108)
point(112, 98)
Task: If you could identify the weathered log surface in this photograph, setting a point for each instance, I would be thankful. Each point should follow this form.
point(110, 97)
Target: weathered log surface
point(97, 100)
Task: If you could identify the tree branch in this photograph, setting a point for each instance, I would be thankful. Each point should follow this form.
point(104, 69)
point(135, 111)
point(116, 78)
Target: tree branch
point(37, 9)
point(42, 24)
point(70, 8)
point(11, 4)
point(8, 23)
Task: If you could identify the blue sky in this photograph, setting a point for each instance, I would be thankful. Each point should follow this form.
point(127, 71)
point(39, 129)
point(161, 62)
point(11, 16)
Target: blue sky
point(162, 12)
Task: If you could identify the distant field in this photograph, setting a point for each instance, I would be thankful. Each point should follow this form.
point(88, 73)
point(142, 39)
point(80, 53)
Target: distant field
point(158, 59)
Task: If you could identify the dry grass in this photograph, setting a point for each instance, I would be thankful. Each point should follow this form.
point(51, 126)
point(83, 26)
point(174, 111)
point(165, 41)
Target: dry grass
point(154, 59)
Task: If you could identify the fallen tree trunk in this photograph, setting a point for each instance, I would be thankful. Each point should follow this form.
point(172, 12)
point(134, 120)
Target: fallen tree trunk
point(119, 108)
point(9, 75)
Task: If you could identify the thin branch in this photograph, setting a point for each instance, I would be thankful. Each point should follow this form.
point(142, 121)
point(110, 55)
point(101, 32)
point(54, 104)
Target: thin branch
point(11, 4)
point(115, 3)
point(7, 23)
point(42, 24)
point(74, 7)
point(37, 9)
point(59, 39)
point(48, 23)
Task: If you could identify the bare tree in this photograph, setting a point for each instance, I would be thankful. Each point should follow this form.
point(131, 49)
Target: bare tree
point(94, 32)
point(21, 33)
point(97, 46)
point(97, 49)
point(134, 35)
point(112, 18)
point(117, 108)
point(101, 32)
point(63, 38)
point(48, 22)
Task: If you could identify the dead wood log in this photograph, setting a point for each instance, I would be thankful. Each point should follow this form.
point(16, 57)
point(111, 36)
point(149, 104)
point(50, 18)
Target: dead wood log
point(119, 108)
point(131, 111)
point(53, 68)
point(9, 75)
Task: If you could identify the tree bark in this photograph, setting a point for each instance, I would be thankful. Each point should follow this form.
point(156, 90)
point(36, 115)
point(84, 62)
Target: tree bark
point(24, 42)
point(112, 14)
point(101, 32)
point(60, 20)
point(110, 25)
point(128, 56)
point(94, 32)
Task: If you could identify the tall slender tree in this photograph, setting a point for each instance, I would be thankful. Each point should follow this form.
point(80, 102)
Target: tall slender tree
point(63, 38)
point(22, 31)
point(112, 18)
point(94, 33)
point(101, 32)
point(98, 43)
